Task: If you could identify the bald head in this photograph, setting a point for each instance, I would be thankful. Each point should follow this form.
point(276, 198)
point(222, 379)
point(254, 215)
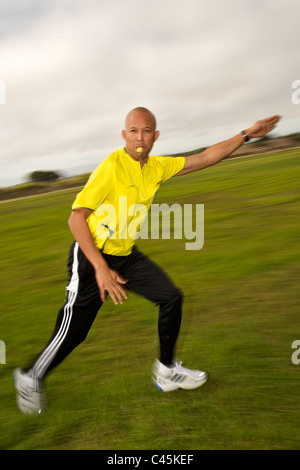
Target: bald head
point(140, 111)
point(140, 133)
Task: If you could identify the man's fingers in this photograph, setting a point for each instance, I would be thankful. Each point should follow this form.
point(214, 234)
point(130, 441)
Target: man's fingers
point(273, 118)
point(111, 283)
point(118, 295)
point(103, 294)
point(121, 280)
point(264, 126)
point(271, 121)
point(116, 292)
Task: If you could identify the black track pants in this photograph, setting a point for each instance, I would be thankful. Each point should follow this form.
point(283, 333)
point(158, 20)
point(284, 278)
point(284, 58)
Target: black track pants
point(83, 302)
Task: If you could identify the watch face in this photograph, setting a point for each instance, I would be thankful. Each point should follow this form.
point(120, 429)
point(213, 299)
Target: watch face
point(245, 136)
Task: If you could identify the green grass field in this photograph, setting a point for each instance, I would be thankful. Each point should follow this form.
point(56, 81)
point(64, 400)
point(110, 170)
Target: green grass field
point(240, 317)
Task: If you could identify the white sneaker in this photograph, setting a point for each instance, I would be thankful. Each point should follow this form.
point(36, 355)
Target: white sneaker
point(30, 400)
point(166, 378)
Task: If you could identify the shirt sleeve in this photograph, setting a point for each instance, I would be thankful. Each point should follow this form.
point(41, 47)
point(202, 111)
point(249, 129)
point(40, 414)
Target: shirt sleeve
point(96, 189)
point(171, 166)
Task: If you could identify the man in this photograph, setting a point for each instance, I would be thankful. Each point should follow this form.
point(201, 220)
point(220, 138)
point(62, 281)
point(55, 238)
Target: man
point(104, 260)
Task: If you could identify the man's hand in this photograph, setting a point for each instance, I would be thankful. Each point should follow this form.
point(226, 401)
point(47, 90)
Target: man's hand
point(263, 127)
point(108, 280)
point(111, 283)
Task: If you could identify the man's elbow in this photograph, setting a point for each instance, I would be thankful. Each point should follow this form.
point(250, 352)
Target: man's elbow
point(73, 217)
point(80, 214)
point(70, 220)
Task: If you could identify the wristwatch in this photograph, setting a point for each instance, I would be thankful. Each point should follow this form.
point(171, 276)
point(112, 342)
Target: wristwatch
point(245, 136)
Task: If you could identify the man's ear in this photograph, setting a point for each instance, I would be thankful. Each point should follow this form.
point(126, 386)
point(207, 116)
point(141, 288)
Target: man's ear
point(156, 135)
point(124, 134)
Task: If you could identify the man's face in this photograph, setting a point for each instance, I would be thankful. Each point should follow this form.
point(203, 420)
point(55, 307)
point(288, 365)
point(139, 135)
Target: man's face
point(139, 133)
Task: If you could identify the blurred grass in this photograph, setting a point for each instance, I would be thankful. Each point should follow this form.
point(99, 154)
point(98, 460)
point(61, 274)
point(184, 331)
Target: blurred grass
point(241, 315)
point(41, 187)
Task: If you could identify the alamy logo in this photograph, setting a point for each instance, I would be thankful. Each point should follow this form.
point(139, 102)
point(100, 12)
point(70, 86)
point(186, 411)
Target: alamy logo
point(185, 221)
point(2, 353)
point(296, 354)
point(2, 92)
point(296, 94)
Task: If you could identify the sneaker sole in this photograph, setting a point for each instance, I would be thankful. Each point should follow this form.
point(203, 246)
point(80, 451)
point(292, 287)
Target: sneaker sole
point(172, 387)
point(196, 386)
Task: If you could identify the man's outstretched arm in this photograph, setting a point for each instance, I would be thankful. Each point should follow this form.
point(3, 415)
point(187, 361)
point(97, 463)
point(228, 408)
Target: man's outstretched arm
point(218, 152)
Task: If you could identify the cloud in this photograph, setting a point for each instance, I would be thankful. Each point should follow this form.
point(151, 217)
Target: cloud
point(74, 69)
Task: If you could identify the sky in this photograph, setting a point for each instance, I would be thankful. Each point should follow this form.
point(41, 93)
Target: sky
point(71, 70)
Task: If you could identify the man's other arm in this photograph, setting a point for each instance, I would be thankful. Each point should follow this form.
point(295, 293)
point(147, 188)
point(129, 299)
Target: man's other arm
point(216, 153)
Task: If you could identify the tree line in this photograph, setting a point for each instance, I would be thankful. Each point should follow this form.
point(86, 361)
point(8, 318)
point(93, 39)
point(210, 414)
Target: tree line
point(47, 176)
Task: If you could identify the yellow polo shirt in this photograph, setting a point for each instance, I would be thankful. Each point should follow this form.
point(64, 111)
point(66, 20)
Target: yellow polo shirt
point(120, 192)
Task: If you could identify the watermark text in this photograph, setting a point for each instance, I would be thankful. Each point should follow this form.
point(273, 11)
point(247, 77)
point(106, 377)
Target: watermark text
point(2, 353)
point(296, 354)
point(164, 222)
point(296, 94)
